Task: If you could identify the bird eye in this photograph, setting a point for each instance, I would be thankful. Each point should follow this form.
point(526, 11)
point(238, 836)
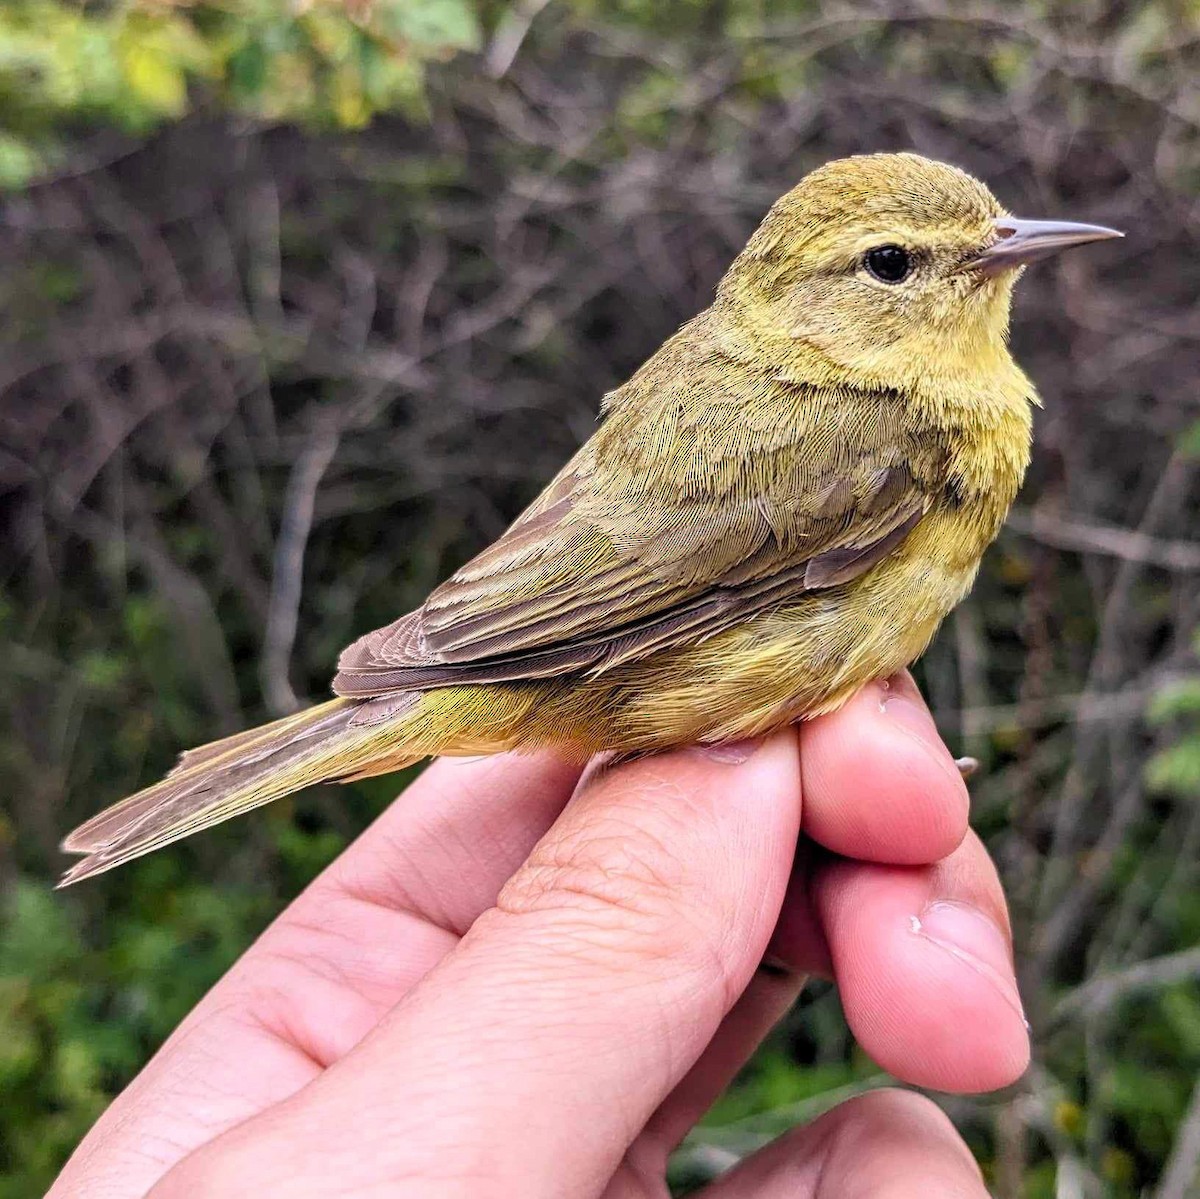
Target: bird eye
point(889, 264)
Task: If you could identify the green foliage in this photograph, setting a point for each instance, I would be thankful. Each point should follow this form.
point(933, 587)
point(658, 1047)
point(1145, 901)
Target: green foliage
point(137, 63)
point(187, 291)
point(73, 1021)
point(1176, 768)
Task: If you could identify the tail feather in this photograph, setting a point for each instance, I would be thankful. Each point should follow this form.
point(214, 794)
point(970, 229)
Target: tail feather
point(194, 765)
point(217, 781)
point(191, 758)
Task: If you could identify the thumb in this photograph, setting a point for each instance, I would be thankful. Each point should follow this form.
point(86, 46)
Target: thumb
point(537, 1050)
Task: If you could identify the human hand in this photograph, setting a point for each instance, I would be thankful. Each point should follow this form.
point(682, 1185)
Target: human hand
point(518, 983)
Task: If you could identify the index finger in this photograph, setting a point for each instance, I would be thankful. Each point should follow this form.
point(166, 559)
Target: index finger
point(536, 1051)
point(339, 956)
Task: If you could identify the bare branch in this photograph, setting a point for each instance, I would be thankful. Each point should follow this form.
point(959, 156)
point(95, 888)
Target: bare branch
point(1182, 1174)
point(1106, 990)
point(1130, 545)
point(286, 582)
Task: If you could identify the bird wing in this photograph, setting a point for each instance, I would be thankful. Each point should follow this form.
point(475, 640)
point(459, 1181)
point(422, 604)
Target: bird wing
point(683, 515)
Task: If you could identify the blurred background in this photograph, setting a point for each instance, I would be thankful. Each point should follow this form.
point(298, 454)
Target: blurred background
point(300, 303)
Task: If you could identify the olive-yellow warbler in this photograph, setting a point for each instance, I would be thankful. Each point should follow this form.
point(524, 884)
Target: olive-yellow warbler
point(781, 504)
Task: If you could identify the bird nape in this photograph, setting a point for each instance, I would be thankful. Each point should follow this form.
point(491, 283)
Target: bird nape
point(780, 505)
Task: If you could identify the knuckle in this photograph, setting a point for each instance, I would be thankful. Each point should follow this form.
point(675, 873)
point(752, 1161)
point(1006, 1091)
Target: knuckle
point(607, 867)
point(620, 885)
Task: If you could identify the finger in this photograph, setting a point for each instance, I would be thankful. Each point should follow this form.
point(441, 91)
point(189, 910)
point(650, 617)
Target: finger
point(888, 1144)
point(389, 908)
point(770, 993)
point(879, 784)
point(923, 961)
point(321, 976)
point(537, 1050)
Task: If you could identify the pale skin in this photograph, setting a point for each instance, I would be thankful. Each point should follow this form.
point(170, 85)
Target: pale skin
point(524, 982)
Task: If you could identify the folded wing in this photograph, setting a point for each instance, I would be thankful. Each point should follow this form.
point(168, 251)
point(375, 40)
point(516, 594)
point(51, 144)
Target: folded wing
point(682, 516)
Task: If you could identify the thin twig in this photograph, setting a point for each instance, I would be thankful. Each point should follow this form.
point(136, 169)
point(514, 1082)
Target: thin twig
point(294, 528)
point(1128, 544)
point(1182, 1173)
point(1106, 990)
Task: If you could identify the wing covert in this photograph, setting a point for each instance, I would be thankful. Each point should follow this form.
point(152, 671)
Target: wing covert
point(684, 514)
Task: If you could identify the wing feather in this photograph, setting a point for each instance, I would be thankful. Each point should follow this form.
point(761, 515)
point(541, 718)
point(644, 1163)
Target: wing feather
point(687, 512)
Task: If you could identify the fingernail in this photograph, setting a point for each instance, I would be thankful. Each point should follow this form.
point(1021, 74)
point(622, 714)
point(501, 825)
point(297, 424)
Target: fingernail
point(974, 939)
point(731, 752)
point(898, 702)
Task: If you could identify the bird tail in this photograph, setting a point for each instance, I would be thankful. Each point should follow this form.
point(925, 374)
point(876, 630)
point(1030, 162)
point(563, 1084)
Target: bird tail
point(335, 741)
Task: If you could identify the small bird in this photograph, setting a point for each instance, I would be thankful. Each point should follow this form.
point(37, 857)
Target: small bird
point(779, 506)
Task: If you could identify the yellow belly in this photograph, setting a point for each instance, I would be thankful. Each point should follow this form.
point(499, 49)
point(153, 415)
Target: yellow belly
point(803, 659)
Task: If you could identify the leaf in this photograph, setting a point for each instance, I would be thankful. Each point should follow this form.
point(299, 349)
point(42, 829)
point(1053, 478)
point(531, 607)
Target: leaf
point(157, 53)
point(19, 161)
point(349, 104)
point(246, 69)
point(1176, 770)
point(1189, 441)
point(1178, 699)
point(443, 24)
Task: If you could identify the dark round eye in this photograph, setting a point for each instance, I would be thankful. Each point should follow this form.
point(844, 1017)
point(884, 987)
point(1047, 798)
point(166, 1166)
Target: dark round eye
point(889, 264)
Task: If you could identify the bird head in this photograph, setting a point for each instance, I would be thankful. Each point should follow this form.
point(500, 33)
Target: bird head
point(889, 270)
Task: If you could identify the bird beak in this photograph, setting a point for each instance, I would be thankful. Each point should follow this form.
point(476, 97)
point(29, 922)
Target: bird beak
point(1018, 242)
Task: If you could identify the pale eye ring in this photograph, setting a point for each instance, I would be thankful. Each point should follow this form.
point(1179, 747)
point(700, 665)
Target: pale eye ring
point(888, 264)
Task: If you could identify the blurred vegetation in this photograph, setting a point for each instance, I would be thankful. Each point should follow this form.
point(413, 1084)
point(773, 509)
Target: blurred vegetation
point(135, 65)
point(302, 303)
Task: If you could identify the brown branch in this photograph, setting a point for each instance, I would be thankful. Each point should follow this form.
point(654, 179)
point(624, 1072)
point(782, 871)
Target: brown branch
point(294, 528)
point(1130, 545)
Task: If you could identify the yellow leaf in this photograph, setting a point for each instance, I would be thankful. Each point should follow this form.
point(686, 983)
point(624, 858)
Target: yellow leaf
point(155, 80)
point(349, 104)
point(1068, 1117)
